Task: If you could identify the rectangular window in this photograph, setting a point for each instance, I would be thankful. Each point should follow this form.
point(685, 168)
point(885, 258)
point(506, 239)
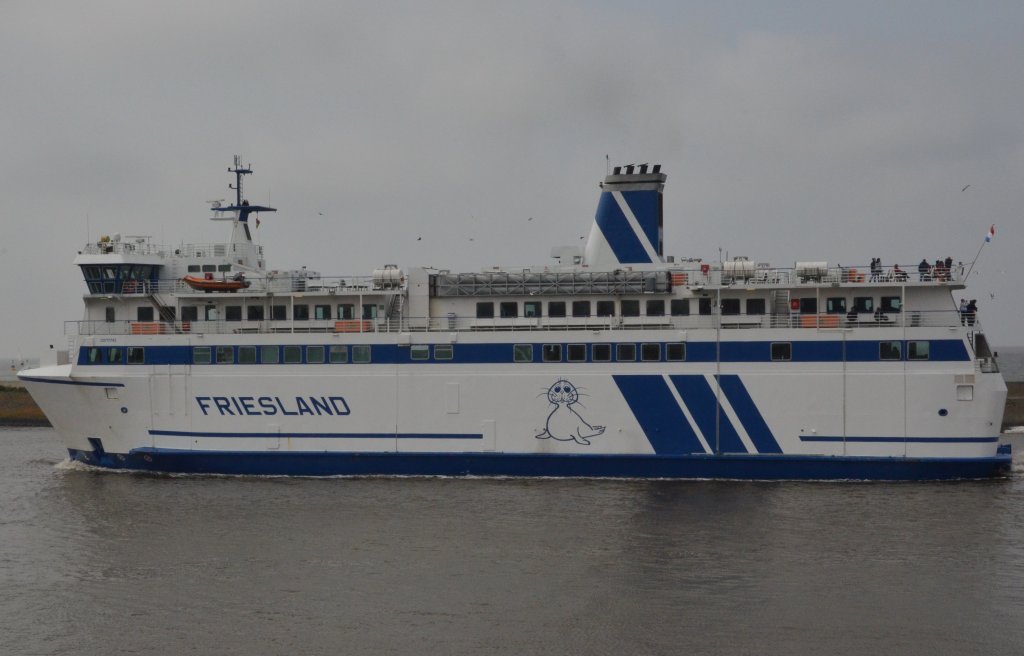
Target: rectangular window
point(509, 309)
point(680, 307)
point(209, 268)
point(279, 312)
point(552, 352)
point(890, 351)
point(321, 312)
point(201, 355)
point(189, 313)
point(808, 306)
point(444, 352)
point(601, 352)
point(556, 309)
point(531, 309)
point(233, 313)
point(254, 313)
point(675, 352)
point(419, 352)
point(625, 352)
point(361, 353)
point(136, 355)
point(704, 305)
point(223, 268)
point(629, 308)
point(485, 310)
point(300, 313)
point(270, 354)
point(346, 311)
point(109, 313)
point(293, 355)
point(211, 313)
point(193, 268)
point(95, 355)
point(369, 311)
point(581, 308)
point(656, 308)
point(338, 354)
point(864, 304)
point(755, 306)
point(730, 306)
point(114, 355)
point(891, 304)
point(650, 352)
point(144, 313)
point(246, 355)
point(225, 354)
point(576, 353)
point(315, 354)
point(835, 305)
point(782, 351)
point(918, 350)
point(522, 353)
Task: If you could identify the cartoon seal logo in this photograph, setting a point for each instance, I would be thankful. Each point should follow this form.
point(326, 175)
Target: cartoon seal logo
point(564, 422)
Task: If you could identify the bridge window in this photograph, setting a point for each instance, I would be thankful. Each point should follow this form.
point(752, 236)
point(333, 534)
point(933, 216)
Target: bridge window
point(551, 353)
point(918, 350)
point(531, 309)
point(890, 351)
point(444, 352)
point(338, 354)
point(95, 355)
point(144, 313)
point(581, 308)
point(346, 311)
point(315, 354)
point(730, 306)
point(556, 309)
point(114, 355)
point(485, 310)
point(136, 355)
point(656, 308)
point(321, 312)
point(522, 353)
point(509, 309)
point(225, 354)
point(233, 313)
point(201, 355)
point(630, 308)
point(755, 306)
point(270, 354)
point(601, 352)
point(419, 352)
point(361, 353)
point(675, 352)
point(254, 313)
point(835, 305)
point(680, 307)
point(625, 352)
point(293, 355)
point(782, 351)
point(576, 352)
point(246, 355)
point(279, 312)
point(650, 352)
point(300, 313)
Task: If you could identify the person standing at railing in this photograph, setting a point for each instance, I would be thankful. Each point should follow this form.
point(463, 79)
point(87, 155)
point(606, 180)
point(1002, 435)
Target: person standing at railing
point(972, 312)
point(963, 311)
point(923, 269)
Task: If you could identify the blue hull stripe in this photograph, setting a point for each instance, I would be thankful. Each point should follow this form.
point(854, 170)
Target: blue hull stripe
point(755, 425)
point(618, 233)
point(658, 414)
point(756, 467)
point(700, 400)
point(393, 436)
point(925, 440)
point(83, 383)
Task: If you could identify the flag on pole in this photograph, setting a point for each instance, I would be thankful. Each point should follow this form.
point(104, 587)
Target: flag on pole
point(991, 233)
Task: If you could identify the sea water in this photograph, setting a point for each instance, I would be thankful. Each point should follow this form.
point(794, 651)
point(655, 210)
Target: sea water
point(97, 562)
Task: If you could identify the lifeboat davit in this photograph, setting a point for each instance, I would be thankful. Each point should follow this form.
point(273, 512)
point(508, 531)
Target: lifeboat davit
point(212, 285)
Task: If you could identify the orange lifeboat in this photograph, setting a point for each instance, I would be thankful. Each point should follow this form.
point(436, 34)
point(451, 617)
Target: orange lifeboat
point(209, 284)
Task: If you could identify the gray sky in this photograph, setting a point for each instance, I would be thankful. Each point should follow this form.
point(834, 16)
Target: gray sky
point(800, 131)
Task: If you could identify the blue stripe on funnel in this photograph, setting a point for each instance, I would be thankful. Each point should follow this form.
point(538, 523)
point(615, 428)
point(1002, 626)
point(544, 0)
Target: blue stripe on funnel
point(618, 233)
point(659, 415)
point(645, 206)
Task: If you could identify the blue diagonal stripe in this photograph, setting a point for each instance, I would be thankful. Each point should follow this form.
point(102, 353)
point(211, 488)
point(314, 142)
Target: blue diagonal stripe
point(659, 415)
point(700, 400)
point(618, 233)
point(748, 414)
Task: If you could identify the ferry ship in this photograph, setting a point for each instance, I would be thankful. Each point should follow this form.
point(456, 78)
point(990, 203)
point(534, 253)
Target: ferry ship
point(611, 360)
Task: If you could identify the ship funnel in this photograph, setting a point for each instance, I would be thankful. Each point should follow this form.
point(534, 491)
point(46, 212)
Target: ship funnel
point(627, 228)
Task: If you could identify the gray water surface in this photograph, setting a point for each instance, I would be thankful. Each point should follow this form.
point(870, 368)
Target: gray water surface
point(121, 563)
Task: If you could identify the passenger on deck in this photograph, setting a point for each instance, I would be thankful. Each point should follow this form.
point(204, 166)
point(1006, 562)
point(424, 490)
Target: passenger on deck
point(972, 312)
point(876, 269)
point(963, 311)
point(924, 269)
point(898, 273)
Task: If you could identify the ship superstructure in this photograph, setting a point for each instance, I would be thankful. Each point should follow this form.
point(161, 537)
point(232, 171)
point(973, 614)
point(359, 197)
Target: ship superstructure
point(613, 359)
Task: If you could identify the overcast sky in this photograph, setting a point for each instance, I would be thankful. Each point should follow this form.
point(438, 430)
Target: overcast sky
point(789, 131)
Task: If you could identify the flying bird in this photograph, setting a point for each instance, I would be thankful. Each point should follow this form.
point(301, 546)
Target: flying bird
point(965, 187)
point(419, 239)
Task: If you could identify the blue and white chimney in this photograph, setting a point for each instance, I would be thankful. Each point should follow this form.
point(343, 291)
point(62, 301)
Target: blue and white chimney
point(627, 229)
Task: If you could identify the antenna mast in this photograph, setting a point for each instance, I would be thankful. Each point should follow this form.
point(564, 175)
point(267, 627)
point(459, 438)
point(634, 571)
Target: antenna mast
point(239, 172)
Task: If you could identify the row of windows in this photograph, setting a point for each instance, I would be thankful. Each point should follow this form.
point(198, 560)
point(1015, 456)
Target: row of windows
point(837, 305)
point(677, 307)
point(362, 353)
point(208, 268)
point(300, 312)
